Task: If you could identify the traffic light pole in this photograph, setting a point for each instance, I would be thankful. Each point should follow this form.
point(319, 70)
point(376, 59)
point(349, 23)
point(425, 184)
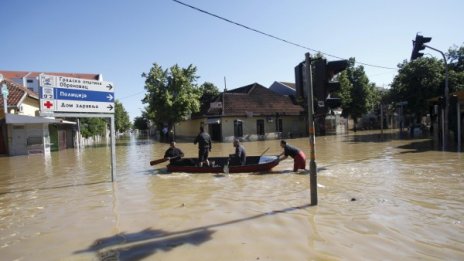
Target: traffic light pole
point(447, 100)
point(312, 163)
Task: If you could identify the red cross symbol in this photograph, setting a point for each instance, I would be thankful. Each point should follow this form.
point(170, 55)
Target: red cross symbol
point(48, 104)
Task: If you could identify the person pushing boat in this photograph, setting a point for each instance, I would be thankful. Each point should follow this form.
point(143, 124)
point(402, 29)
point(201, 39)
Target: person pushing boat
point(299, 158)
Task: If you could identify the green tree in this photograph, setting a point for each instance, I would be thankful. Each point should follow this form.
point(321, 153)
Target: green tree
point(456, 68)
point(456, 58)
point(209, 91)
point(141, 123)
point(358, 96)
point(121, 118)
point(416, 82)
point(172, 95)
point(91, 127)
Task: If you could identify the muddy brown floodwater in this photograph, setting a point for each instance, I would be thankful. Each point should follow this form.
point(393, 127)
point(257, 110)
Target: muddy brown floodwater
point(379, 198)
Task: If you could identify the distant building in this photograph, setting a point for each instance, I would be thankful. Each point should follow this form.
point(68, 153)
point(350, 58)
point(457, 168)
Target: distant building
point(283, 88)
point(30, 80)
point(252, 112)
point(333, 123)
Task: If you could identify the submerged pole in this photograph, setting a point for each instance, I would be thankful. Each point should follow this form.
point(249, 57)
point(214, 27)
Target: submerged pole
point(113, 148)
point(312, 155)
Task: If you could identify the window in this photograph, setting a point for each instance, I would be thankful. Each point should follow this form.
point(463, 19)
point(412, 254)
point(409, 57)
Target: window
point(30, 84)
point(238, 128)
point(279, 125)
point(260, 127)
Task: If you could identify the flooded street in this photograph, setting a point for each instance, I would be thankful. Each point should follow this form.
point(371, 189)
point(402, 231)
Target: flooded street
point(379, 198)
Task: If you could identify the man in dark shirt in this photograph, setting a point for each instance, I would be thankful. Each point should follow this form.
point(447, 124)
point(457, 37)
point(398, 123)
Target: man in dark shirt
point(204, 146)
point(173, 154)
point(299, 158)
point(239, 157)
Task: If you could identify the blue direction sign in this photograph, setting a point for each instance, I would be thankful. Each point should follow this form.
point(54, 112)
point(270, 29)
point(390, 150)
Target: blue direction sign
point(65, 94)
point(80, 95)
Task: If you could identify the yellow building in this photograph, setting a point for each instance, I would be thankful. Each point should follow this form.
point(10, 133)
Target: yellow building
point(252, 112)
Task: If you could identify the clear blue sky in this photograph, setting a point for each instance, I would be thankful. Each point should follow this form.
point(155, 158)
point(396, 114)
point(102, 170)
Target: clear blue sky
point(122, 39)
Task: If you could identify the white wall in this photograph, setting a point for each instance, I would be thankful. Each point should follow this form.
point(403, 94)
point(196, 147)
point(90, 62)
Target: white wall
point(19, 135)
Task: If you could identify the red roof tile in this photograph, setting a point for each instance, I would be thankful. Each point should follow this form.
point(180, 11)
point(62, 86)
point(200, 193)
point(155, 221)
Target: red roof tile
point(255, 99)
point(21, 74)
point(16, 93)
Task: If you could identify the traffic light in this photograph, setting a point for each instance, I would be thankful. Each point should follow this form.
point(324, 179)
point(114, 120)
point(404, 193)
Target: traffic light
point(324, 87)
point(319, 85)
point(333, 68)
point(300, 82)
point(418, 45)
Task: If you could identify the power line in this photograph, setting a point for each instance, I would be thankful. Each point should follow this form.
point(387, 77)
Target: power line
point(275, 37)
point(125, 97)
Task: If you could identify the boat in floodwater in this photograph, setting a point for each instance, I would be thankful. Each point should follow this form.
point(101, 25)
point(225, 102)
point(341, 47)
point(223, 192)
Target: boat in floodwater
point(223, 165)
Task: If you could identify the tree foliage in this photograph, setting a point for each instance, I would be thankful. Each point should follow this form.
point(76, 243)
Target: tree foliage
point(456, 58)
point(358, 96)
point(141, 123)
point(91, 127)
point(416, 82)
point(121, 118)
point(456, 68)
point(424, 78)
point(172, 94)
point(208, 91)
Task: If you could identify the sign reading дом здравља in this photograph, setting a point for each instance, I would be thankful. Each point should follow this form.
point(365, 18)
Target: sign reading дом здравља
point(66, 94)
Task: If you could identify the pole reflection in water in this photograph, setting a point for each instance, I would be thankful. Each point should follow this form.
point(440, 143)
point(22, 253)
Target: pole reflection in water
point(378, 196)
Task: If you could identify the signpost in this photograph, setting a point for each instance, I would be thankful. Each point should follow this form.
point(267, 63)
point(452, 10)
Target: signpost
point(79, 98)
point(65, 94)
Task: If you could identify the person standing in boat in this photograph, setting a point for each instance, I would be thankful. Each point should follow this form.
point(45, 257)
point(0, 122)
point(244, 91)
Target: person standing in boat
point(239, 157)
point(299, 158)
point(173, 154)
point(204, 146)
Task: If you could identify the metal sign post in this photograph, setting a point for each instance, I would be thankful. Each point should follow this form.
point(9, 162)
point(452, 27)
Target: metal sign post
point(65, 94)
point(112, 133)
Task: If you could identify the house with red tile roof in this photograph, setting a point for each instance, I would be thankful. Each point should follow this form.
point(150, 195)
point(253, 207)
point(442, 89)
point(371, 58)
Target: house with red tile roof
point(20, 100)
point(22, 130)
point(251, 112)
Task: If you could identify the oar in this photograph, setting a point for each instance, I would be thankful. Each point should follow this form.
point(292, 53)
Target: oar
point(264, 152)
point(158, 161)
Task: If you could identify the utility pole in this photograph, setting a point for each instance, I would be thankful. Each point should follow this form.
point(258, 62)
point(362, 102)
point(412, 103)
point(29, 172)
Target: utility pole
point(312, 146)
point(381, 118)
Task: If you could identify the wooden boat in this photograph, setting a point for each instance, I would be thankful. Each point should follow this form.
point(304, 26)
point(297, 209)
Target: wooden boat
point(223, 165)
